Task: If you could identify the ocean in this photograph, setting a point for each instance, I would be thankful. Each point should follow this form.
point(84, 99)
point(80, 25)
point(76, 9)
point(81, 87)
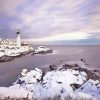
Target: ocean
point(9, 71)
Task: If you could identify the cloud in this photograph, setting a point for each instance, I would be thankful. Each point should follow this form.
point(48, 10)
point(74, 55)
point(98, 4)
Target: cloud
point(63, 36)
point(9, 7)
point(48, 19)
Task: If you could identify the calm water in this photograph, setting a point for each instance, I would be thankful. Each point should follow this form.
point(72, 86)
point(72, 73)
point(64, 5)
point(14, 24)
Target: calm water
point(9, 71)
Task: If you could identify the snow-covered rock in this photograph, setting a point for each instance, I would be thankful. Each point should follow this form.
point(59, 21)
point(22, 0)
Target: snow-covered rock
point(68, 82)
point(14, 92)
point(91, 87)
point(14, 52)
point(2, 53)
point(78, 96)
point(58, 82)
point(27, 80)
point(42, 49)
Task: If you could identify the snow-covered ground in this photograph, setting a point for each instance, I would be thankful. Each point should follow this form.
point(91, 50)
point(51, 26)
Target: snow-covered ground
point(14, 51)
point(68, 82)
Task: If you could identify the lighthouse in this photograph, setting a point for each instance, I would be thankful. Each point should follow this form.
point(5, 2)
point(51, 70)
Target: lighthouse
point(18, 38)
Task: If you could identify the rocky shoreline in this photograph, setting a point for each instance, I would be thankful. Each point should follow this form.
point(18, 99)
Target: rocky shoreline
point(69, 81)
point(8, 54)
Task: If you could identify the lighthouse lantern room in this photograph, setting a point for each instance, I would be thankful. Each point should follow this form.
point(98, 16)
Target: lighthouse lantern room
point(18, 38)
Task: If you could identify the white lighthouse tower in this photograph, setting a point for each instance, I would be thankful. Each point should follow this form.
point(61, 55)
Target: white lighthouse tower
point(18, 38)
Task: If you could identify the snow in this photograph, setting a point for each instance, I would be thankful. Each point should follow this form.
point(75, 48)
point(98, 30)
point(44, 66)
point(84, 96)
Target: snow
point(67, 83)
point(42, 49)
point(29, 79)
point(14, 92)
point(79, 96)
point(66, 77)
point(56, 82)
point(15, 51)
point(2, 53)
point(91, 87)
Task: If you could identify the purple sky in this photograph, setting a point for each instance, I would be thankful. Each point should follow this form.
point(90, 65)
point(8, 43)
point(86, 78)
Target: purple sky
point(50, 19)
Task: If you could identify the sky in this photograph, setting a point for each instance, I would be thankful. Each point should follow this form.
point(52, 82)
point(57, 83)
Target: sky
point(51, 20)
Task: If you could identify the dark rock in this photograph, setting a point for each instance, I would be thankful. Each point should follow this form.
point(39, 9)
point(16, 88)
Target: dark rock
point(52, 67)
point(82, 88)
point(67, 66)
point(6, 58)
point(90, 73)
point(75, 86)
point(59, 82)
point(96, 70)
point(49, 51)
point(44, 83)
point(70, 66)
point(75, 65)
point(38, 80)
point(43, 73)
point(76, 74)
point(81, 69)
point(61, 91)
point(82, 60)
point(20, 81)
